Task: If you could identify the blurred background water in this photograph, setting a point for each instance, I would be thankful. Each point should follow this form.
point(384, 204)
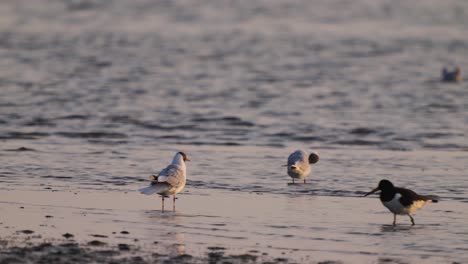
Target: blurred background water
point(93, 92)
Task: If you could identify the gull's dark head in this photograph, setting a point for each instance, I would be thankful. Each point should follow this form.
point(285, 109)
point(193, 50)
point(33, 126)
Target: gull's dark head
point(384, 185)
point(184, 156)
point(313, 158)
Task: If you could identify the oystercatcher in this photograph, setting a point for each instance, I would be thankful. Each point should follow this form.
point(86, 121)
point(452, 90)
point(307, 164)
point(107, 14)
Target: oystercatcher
point(400, 200)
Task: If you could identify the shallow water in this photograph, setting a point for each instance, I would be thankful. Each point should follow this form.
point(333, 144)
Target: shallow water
point(299, 228)
point(98, 95)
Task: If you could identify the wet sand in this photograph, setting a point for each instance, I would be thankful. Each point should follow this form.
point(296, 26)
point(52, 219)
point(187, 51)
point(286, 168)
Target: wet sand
point(210, 226)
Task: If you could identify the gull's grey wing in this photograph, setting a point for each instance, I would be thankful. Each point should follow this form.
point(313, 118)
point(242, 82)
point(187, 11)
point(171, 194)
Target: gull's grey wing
point(172, 174)
point(297, 156)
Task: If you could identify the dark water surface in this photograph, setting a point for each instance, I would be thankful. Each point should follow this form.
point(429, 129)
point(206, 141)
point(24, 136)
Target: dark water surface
point(99, 94)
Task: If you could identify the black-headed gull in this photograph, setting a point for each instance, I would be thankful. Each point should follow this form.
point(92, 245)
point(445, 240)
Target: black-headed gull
point(400, 200)
point(170, 181)
point(299, 164)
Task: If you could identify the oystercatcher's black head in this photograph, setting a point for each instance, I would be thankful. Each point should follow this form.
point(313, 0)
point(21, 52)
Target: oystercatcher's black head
point(384, 186)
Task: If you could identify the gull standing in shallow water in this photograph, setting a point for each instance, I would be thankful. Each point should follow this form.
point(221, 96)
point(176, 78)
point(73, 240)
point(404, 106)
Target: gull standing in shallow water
point(170, 181)
point(400, 200)
point(299, 164)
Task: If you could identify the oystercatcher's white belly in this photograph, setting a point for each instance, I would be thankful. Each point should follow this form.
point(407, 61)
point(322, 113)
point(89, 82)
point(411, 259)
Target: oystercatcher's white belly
point(397, 208)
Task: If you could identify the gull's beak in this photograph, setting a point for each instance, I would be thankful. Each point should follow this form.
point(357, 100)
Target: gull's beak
point(153, 177)
point(188, 159)
point(284, 165)
point(371, 192)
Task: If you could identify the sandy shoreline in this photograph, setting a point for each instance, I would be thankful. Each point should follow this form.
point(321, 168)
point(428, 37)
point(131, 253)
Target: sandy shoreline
point(207, 227)
point(53, 226)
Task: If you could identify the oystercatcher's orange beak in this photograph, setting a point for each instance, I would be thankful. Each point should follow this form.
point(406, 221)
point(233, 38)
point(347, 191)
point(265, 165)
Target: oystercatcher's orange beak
point(371, 192)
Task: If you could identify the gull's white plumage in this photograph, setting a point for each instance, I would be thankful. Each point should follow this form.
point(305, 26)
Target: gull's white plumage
point(171, 180)
point(299, 164)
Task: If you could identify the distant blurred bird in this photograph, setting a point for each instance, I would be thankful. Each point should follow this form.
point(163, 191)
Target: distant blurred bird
point(400, 200)
point(451, 76)
point(170, 181)
point(299, 164)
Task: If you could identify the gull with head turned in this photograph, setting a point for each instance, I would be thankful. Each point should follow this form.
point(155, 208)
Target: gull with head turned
point(299, 164)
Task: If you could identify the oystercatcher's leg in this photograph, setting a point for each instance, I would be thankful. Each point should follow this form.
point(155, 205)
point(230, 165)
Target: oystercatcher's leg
point(173, 203)
point(162, 209)
point(412, 220)
point(394, 219)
